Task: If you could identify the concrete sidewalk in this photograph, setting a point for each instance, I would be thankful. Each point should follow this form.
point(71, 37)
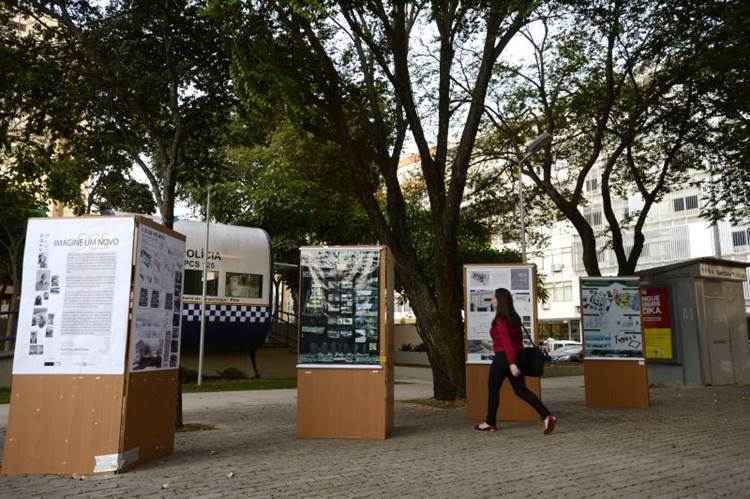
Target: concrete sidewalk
point(691, 442)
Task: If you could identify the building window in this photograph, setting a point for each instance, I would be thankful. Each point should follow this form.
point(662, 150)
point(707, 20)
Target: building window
point(243, 285)
point(691, 202)
point(686, 203)
point(592, 185)
point(562, 292)
point(594, 219)
point(194, 283)
point(739, 238)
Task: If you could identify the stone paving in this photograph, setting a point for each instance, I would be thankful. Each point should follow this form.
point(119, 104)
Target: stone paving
point(692, 442)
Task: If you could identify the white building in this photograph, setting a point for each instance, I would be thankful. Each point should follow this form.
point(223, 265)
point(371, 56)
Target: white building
point(674, 231)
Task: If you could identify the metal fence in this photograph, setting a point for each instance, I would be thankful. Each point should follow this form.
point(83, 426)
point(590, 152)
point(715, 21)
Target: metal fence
point(284, 330)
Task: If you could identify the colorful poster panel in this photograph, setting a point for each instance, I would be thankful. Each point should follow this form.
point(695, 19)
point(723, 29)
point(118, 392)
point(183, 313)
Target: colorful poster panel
point(611, 318)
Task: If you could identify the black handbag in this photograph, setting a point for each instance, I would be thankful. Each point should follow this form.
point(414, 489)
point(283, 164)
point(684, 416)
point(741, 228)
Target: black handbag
point(531, 359)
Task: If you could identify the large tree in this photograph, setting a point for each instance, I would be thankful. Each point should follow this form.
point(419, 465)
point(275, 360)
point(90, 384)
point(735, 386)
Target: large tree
point(147, 81)
point(613, 83)
point(139, 82)
point(277, 183)
point(725, 81)
point(363, 76)
point(289, 184)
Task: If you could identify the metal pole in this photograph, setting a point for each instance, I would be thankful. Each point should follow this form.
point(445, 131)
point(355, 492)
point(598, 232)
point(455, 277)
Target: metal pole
point(522, 211)
point(205, 286)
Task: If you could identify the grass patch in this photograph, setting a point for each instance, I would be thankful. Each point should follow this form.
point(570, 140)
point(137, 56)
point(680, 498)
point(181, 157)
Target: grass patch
point(222, 385)
point(4, 395)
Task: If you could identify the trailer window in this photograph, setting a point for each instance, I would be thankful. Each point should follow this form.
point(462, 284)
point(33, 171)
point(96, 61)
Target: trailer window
point(244, 285)
point(194, 283)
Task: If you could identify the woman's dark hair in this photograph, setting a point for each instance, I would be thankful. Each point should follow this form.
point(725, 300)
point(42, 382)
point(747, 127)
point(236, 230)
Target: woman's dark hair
point(505, 309)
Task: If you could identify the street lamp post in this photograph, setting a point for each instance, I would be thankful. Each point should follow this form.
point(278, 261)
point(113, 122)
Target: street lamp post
point(531, 148)
point(205, 286)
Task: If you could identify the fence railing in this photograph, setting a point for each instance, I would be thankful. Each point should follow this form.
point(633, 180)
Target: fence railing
point(284, 330)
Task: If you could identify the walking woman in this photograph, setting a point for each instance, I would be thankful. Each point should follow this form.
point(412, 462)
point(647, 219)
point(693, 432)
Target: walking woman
point(507, 343)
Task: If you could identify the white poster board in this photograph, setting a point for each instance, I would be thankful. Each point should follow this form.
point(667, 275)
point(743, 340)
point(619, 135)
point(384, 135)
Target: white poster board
point(480, 284)
point(611, 318)
point(157, 288)
point(75, 293)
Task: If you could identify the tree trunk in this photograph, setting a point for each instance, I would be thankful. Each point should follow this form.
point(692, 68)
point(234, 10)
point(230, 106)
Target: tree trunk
point(13, 303)
point(448, 361)
point(166, 210)
point(16, 266)
point(629, 266)
point(441, 329)
point(5, 333)
point(588, 243)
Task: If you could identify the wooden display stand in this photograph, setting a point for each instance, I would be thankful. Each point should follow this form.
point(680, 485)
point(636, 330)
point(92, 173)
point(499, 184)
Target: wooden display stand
point(352, 402)
point(511, 408)
point(616, 383)
point(90, 423)
point(612, 380)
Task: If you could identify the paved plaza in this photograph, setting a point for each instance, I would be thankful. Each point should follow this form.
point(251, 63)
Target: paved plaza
point(692, 442)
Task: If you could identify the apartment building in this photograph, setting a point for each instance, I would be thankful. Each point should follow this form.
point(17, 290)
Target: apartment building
point(674, 231)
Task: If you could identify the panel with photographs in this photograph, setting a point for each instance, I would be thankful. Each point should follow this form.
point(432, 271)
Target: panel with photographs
point(481, 283)
point(339, 303)
point(155, 340)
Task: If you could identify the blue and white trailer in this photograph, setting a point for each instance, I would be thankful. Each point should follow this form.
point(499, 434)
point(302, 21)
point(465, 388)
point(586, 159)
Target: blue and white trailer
point(239, 288)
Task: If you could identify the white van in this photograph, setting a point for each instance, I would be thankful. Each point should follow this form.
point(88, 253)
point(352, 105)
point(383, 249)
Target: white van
point(552, 344)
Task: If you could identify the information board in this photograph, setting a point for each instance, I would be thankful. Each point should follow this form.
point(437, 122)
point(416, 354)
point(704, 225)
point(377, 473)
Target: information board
point(657, 323)
point(611, 318)
point(339, 304)
point(155, 338)
point(481, 282)
point(75, 292)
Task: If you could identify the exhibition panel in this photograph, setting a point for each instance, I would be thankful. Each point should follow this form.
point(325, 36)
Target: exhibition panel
point(95, 367)
point(345, 370)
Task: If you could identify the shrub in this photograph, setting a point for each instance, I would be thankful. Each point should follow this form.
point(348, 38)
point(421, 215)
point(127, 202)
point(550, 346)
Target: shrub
point(232, 373)
point(188, 375)
point(408, 347)
point(420, 348)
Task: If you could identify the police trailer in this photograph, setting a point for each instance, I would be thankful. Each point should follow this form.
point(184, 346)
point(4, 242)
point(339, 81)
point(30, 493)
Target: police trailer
point(238, 288)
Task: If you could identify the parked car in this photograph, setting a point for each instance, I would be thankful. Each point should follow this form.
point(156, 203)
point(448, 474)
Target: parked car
point(551, 344)
point(568, 353)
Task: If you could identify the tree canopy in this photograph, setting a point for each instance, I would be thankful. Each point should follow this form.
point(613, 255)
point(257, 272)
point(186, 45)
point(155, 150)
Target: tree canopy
point(144, 83)
point(615, 86)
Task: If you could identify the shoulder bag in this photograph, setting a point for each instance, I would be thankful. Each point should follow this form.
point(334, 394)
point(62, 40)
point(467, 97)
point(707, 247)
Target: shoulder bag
point(531, 359)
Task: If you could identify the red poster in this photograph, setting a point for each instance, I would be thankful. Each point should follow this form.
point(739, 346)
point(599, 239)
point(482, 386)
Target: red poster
point(655, 308)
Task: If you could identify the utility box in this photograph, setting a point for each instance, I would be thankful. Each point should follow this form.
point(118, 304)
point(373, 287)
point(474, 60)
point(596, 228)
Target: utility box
point(705, 341)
